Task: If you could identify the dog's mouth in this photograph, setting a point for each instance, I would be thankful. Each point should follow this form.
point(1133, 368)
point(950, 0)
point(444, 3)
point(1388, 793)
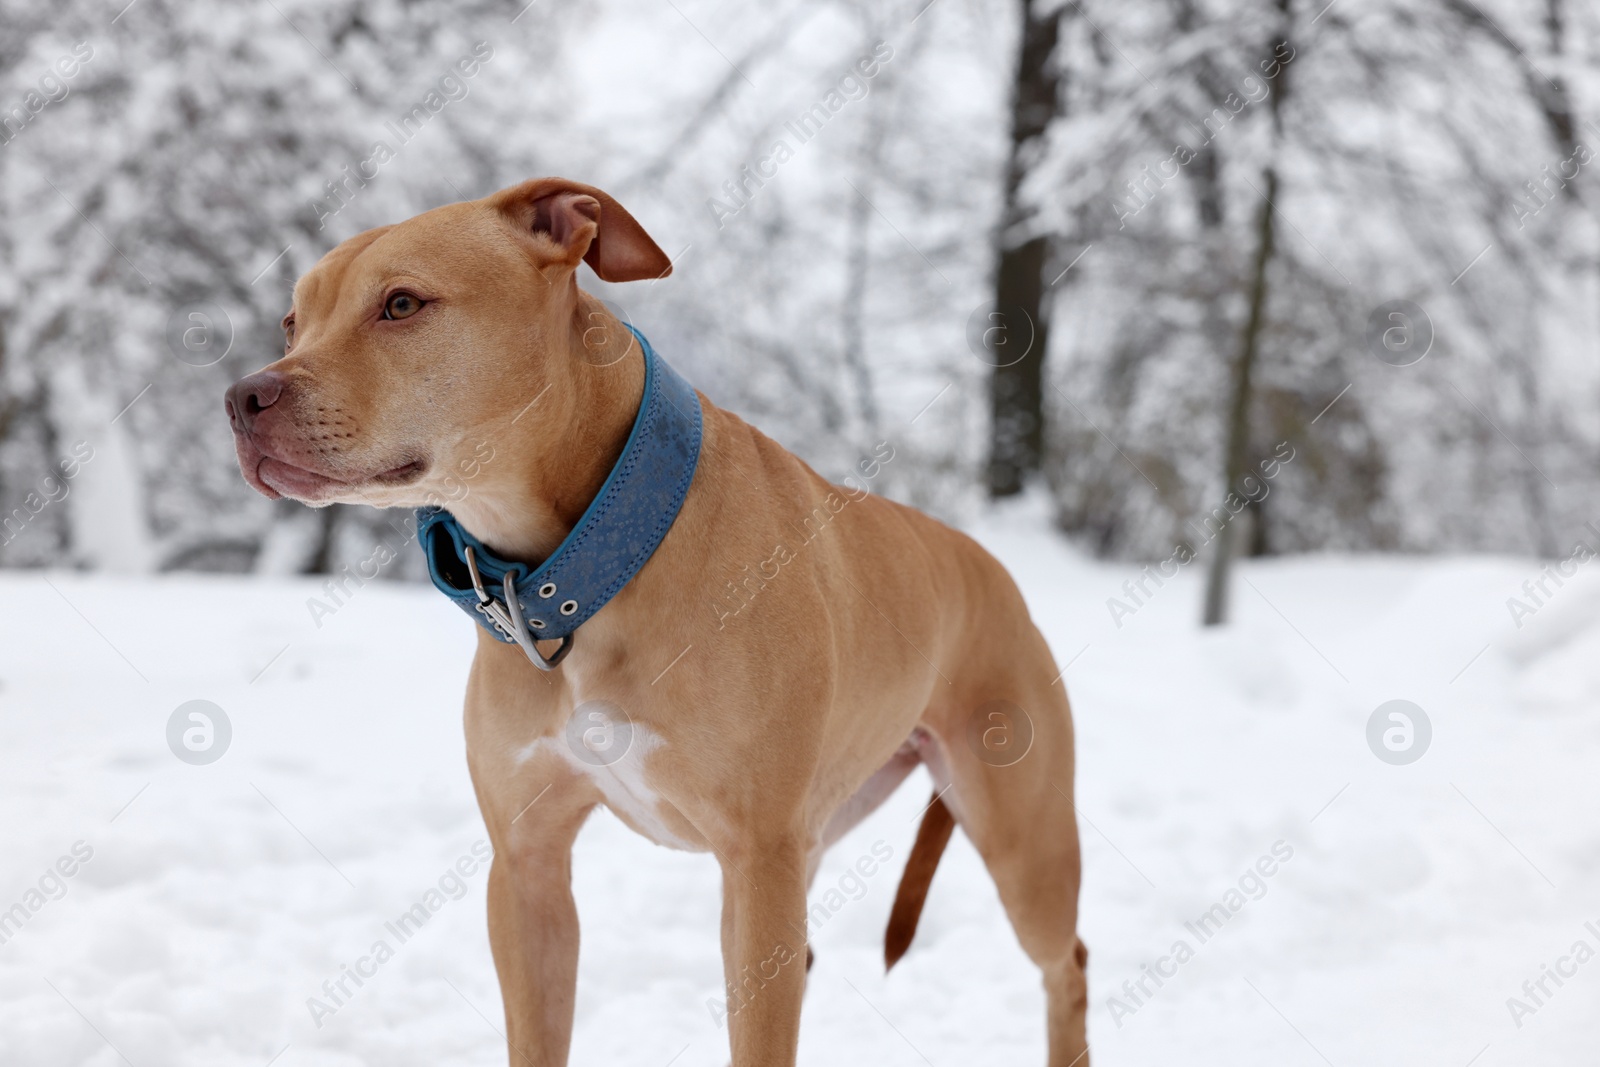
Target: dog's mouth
point(275, 477)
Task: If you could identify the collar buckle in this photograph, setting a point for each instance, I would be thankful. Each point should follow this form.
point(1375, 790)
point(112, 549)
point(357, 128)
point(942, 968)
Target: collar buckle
point(508, 620)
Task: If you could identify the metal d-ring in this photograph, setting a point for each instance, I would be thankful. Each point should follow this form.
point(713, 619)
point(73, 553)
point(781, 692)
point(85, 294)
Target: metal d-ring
point(508, 619)
point(525, 639)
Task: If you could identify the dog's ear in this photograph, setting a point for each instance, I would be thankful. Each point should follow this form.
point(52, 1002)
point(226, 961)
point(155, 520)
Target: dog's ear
point(584, 223)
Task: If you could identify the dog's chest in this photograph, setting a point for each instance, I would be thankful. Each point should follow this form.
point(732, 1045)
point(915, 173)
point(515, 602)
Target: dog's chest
point(613, 753)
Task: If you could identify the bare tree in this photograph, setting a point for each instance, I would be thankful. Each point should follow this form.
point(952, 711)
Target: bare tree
point(1016, 386)
point(1236, 462)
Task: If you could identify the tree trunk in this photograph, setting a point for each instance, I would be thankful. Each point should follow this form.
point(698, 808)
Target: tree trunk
point(1236, 457)
point(1554, 101)
point(321, 561)
point(1016, 390)
point(858, 260)
point(1238, 448)
point(106, 524)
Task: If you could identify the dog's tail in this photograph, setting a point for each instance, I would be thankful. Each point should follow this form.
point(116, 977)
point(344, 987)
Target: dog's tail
point(932, 837)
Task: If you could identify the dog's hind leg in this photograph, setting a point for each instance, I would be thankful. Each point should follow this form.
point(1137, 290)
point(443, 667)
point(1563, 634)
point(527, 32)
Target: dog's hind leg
point(1007, 753)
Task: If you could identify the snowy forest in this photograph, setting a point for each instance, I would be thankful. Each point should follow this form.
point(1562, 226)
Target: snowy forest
point(1188, 218)
point(1304, 293)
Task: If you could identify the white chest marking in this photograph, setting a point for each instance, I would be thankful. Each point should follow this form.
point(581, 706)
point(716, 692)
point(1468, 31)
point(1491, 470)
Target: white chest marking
point(620, 778)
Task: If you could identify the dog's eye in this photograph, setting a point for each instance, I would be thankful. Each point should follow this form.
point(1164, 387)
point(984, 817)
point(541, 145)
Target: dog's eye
point(288, 333)
point(401, 306)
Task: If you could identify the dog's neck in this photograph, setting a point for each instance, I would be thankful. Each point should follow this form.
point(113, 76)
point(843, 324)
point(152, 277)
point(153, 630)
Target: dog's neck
point(530, 501)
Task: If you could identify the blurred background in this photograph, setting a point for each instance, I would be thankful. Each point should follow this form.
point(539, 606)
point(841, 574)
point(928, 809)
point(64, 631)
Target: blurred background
point(1142, 245)
point(1283, 314)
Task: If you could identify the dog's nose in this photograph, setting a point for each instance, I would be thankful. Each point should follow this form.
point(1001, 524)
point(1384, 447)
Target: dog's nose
point(250, 396)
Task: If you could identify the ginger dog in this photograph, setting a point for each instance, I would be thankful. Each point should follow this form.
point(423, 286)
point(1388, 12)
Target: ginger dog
point(886, 641)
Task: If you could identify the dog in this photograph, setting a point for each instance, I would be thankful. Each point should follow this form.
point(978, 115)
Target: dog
point(453, 358)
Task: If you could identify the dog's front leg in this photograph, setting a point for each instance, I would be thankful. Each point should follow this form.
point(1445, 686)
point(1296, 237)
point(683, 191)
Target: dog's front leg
point(533, 928)
point(764, 951)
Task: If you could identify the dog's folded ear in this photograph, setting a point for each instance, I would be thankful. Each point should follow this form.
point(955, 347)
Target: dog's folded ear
point(584, 223)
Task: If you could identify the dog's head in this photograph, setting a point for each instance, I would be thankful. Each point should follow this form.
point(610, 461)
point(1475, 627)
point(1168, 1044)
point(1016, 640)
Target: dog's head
point(410, 347)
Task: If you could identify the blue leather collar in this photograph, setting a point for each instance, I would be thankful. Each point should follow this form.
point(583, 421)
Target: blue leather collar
point(622, 527)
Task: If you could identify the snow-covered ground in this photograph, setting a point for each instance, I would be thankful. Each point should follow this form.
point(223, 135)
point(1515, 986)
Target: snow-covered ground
point(1416, 899)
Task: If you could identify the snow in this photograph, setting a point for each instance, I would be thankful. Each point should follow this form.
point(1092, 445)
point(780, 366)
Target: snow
point(219, 897)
